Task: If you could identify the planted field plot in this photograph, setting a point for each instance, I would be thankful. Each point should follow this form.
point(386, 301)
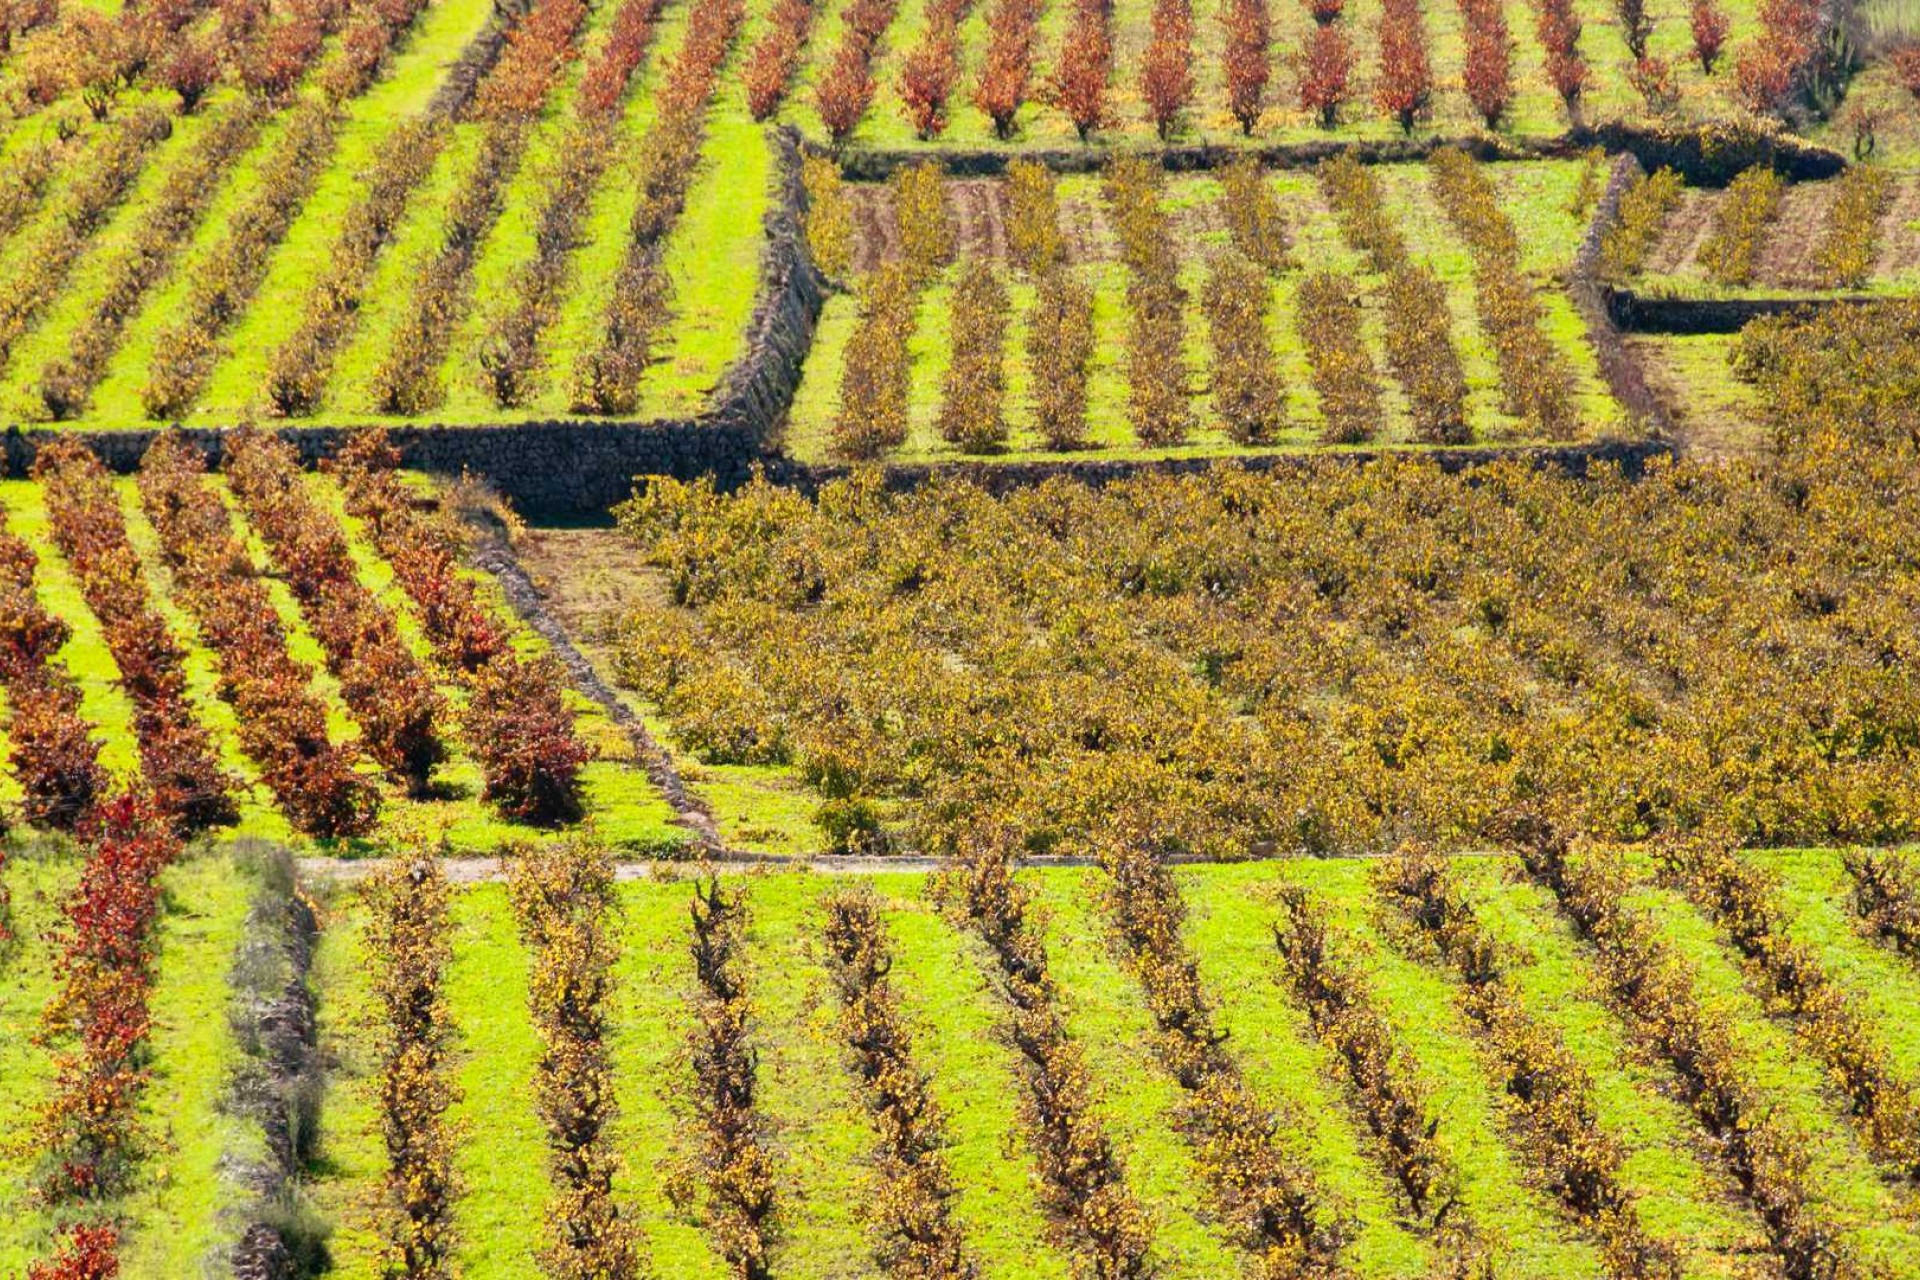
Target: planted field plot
point(1761, 236)
point(365, 212)
point(277, 653)
point(1136, 311)
point(1369, 1068)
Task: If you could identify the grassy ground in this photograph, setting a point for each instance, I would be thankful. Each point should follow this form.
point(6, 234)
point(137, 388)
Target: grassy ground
point(819, 1132)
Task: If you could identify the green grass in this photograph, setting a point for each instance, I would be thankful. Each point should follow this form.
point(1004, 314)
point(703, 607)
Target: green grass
point(351, 1159)
point(185, 1203)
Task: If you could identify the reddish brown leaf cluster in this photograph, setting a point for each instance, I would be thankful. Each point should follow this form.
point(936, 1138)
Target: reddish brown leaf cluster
point(605, 82)
point(281, 723)
point(1906, 65)
point(1404, 89)
point(771, 64)
point(276, 59)
point(846, 89)
point(1245, 60)
point(1558, 28)
point(516, 720)
point(86, 1253)
point(930, 72)
point(1770, 69)
point(1326, 72)
point(1487, 69)
point(1078, 85)
point(1006, 74)
point(1166, 67)
point(54, 757)
point(178, 762)
point(389, 694)
point(98, 1020)
point(538, 46)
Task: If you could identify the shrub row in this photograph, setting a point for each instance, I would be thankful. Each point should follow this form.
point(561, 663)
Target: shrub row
point(66, 384)
point(1656, 986)
point(845, 90)
point(1419, 324)
point(741, 1187)
point(1403, 90)
point(931, 70)
point(874, 381)
point(1060, 342)
point(1557, 26)
point(53, 755)
point(1254, 221)
point(1249, 396)
point(1331, 327)
point(24, 184)
point(177, 758)
point(874, 376)
point(102, 178)
point(280, 722)
point(1535, 383)
point(1166, 66)
point(1033, 218)
point(516, 720)
point(1751, 203)
point(407, 381)
point(1081, 1181)
point(1078, 85)
point(1580, 1159)
point(390, 696)
point(776, 55)
point(972, 412)
point(1157, 392)
point(1771, 69)
point(1886, 895)
point(829, 216)
point(1245, 60)
point(407, 943)
point(1346, 1014)
point(718, 714)
point(1745, 900)
point(1006, 73)
point(1644, 207)
point(1269, 1194)
point(911, 1212)
point(1844, 258)
point(221, 283)
point(298, 370)
point(1326, 73)
point(606, 377)
point(1486, 70)
point(562, 896)
point(510, 357)
point(88, 1127)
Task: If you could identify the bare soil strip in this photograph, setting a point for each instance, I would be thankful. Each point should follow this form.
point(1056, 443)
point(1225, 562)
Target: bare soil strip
point(1786, 259)
point(876, 231)
point(1686, 229)
point(977, 211)
point(1900, 229)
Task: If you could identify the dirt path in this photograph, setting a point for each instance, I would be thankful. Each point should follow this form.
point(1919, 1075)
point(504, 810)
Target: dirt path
point(493, 554)
point(1686, 229)
point(1786, 256)
point(1084, 226)
point(1900, 230)
point(977, 210)
point(876, 230)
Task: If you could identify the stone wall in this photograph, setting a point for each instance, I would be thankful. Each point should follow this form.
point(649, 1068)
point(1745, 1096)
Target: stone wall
point(1635, 313)
point(1006, 477)
point(756, 392)
point(561, 469)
